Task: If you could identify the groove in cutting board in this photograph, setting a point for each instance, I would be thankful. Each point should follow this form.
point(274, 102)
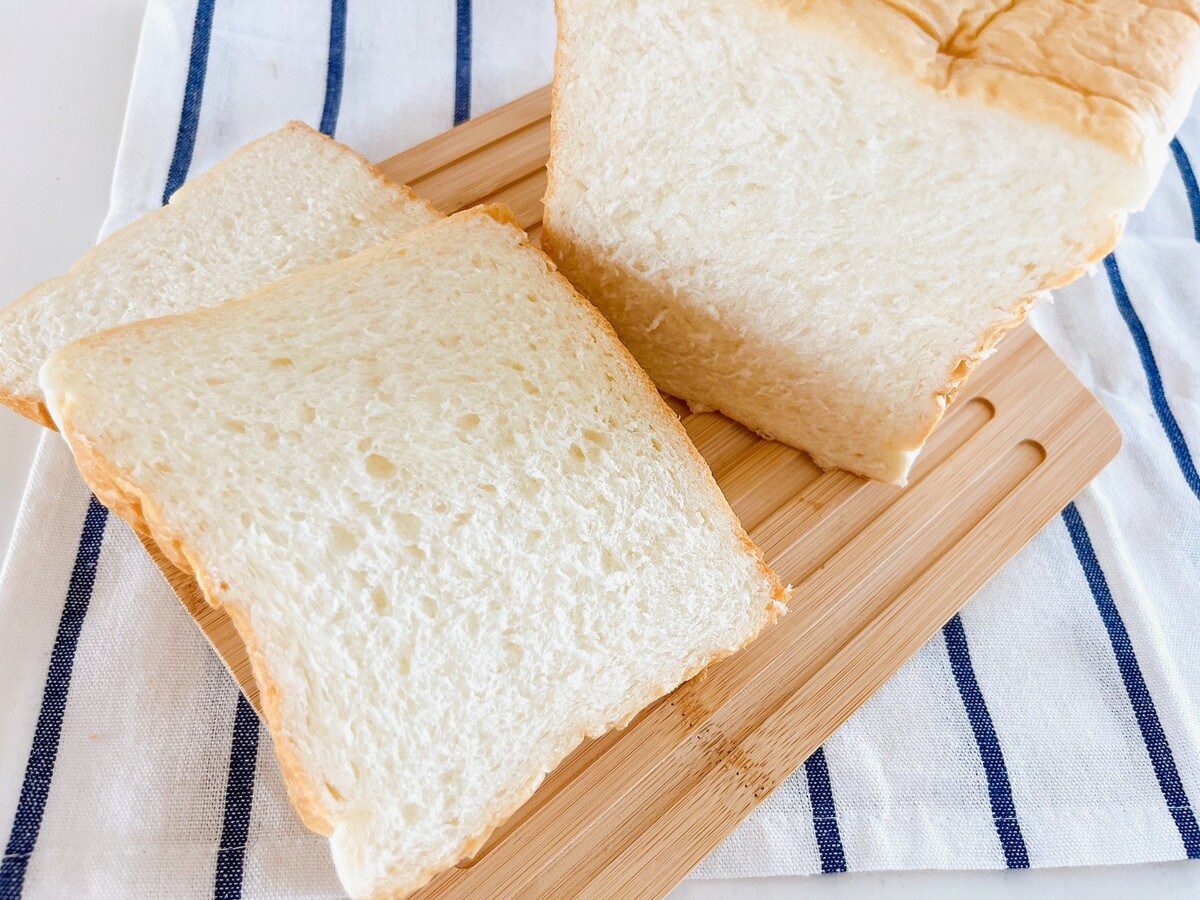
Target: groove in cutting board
point(878, 570)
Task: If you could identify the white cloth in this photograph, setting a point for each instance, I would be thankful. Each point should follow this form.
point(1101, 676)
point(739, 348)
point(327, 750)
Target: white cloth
point(1031, 730)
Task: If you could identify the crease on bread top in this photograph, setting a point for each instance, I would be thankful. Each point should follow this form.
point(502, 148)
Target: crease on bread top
point(454, 523)
point(290, 199)
point(1119, 72)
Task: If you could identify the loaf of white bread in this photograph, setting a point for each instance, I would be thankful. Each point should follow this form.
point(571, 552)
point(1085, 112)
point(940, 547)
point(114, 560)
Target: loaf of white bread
point(818, 215)
point(453, 521)
point(287, 201)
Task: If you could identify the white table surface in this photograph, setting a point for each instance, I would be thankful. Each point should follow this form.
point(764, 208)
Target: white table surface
point(65, 68)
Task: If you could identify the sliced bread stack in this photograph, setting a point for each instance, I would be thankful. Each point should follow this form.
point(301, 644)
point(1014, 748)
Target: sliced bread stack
point(287, 201)
point(818, 216)
point(453, 521)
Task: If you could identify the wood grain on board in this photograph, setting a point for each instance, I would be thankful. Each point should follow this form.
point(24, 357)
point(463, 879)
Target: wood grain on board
point(877, 569)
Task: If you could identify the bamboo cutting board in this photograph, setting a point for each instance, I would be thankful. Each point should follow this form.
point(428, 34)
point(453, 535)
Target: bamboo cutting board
point(877, 569)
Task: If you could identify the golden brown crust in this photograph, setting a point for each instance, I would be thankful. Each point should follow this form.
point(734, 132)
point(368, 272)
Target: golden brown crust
point(31, 408)
point(1118, 72)
point(500, 213)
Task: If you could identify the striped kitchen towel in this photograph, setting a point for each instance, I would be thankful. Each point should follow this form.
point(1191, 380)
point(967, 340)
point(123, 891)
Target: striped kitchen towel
point(1053, 722)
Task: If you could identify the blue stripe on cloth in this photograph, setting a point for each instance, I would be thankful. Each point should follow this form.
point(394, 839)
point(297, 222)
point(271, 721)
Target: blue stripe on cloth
point(1004, 811)
point(824, 813)
point(335, 68)
point(1158, 395)
point(193, 96)
point(39, 769)
point(1189, 184)
point(1157, 746)
point(239, 802)
point(462, 63)
point(239, 786)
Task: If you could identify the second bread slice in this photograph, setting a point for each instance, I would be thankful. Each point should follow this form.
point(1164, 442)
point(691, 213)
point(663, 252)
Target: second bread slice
point(453, 521)
point(289, 200)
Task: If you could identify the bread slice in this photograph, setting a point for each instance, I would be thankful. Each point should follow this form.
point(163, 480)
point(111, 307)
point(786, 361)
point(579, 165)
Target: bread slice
point(817, 217)
point(287, 201)
point(453, 521)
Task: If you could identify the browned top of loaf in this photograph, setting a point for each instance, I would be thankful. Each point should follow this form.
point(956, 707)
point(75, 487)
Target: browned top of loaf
point(1120, 72)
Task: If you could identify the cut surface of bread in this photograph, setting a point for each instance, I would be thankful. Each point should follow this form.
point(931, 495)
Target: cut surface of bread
point(455, 524)
point(289, 200)
point(817, 217)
